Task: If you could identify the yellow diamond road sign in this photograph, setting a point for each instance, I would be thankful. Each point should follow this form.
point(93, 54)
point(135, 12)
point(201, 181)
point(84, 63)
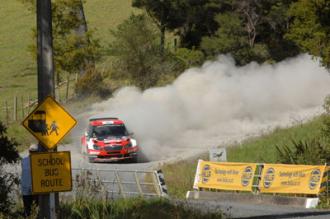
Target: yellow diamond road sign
point(49, 122)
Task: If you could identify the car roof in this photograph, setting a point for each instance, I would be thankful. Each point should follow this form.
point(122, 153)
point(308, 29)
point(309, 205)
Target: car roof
point(99, 121)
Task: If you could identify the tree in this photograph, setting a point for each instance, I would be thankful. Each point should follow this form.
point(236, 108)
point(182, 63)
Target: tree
point(136, 53)
point(162, 13)
point(8, 154)
point(75, 48)
point(232, 37)
point(190, 19)
point(252, 30)
point(309, 27)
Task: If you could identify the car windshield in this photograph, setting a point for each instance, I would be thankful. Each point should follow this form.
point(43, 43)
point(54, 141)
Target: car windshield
point(108, 131)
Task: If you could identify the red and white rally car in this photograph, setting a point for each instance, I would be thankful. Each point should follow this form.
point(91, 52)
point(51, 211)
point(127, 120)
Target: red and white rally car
point(107, 140)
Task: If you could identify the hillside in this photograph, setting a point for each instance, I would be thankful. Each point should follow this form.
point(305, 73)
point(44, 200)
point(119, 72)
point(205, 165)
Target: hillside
point(17, 67)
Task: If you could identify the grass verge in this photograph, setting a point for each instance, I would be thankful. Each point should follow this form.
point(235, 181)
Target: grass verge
point(263, 149)
point(131, 209)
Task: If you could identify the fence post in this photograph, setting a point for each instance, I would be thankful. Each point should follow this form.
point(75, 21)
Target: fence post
point(22, 106)
point(67, 89)
point(7, 113)
point(76, 78)
point(15, 109)
point(157, 184)
point(120, 184)
point(28, 106)
point(58, 93)
point(138, 183)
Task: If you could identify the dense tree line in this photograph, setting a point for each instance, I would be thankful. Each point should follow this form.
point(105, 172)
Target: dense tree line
point(250, 30)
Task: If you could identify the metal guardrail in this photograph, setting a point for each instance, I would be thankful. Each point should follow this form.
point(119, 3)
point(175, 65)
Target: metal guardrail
point(113, 184)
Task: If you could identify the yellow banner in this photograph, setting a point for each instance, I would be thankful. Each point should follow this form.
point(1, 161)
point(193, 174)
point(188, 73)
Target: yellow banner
point(298, 179)
point(225, 176)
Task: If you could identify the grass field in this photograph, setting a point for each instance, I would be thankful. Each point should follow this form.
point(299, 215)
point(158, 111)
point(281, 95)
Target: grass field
point(17, 68)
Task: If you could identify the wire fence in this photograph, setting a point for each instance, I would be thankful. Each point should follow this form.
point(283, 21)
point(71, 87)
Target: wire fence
point(20, 106)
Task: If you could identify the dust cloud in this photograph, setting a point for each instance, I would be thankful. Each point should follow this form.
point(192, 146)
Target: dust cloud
point(218, 104)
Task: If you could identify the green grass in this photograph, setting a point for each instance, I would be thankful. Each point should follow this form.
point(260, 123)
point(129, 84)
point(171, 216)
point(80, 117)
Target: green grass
point(17, 68)
point(263, 149)
point(132, 208)
point(179, 176)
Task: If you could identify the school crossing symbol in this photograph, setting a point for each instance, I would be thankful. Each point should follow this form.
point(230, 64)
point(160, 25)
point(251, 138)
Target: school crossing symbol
point(49, 122)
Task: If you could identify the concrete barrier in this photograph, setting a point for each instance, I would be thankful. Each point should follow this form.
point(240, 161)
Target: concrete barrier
point(253, 198)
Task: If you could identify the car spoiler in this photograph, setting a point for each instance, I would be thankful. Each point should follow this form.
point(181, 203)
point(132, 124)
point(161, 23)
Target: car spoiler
point(102, 118)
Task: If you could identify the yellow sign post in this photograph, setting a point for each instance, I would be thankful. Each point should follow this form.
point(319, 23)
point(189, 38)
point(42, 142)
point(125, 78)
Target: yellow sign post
point(51, 172)
point(49, 122)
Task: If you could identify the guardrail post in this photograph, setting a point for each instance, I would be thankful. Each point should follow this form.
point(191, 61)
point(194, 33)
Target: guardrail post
point(156, 183)
point(120, 184)
point(138, 183)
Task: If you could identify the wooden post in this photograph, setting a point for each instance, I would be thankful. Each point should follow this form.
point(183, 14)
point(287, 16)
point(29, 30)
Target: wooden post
point(7, 113)
point(67, 88)
point(28, 106)
point(15, 109)
point(57, 90)
point(47, 204)
point(22, 106)
point(76, 78)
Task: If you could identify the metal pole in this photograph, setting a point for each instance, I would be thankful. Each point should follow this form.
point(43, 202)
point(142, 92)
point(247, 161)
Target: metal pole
point(45, 82)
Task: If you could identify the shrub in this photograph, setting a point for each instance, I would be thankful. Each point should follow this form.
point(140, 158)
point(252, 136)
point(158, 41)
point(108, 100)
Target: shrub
point(8, 154)
point(91, 83)
point(304, 152)
point(137, 56)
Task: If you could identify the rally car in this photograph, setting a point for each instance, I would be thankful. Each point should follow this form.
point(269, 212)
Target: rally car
point(107, 140)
